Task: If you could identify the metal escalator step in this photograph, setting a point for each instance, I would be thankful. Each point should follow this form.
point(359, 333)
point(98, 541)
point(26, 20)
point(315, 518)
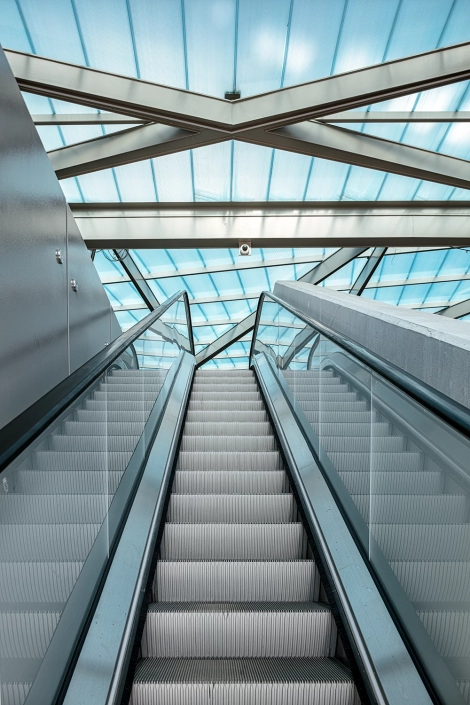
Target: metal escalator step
point(225, 396)
point(236, 581)
point(300, 374)
point(103, 428)
point(79, 443)
point(85, 460)
point(253, 444)
point(138, 387)
point(350, 444)
point(224, 388)
point(140, 406)
point(434, 581)
point(228, 428)
point(106, 416)
point(17, 677)
point(26, 635)
point(241, 404)
point(229, 460)
point(317, 381)
point(46, 542)
point(288, 681)
point(340, 413)
point(38, 581)
point(53, 509)
point(393, 482)
point(313, 406)
point(66, 482)
point(449, 630)
point(382, 462)
point(234, 482)
point(124, 396)
point(356, 429)
point(231, 630)
point(323, 389)
point(222, 416)
point(262, 509)
point(418, 509)
point(332, 396)
point(233, 542)
point(427, 542)
point(138, 373)
point(236, 374)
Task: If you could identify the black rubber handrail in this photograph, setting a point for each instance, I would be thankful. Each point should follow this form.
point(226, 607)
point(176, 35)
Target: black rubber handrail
point(28, 425)
point(455, 414)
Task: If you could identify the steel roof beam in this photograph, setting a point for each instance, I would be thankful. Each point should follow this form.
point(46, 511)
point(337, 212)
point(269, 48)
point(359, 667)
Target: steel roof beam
point(456, 310)
point(337, 144)
point(84, 119)
point(126, 147)
point(335, 225)
point(358, 116)
point(135, 275)
point(150, 101)
point(368, 270)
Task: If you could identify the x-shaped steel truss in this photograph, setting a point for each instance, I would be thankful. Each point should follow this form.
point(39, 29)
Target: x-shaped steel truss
point(288, 119)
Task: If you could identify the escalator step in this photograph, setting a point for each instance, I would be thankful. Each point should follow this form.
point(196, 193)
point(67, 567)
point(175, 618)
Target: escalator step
point(66, 482)
point(103, 428)
point(241, 404)
point(427, 542)
point(105, 443)
point(231, 630)
point(26, 635)
point(449, 630)
point(114, 461)
point(252, 444)
point(418, 509)
point(228, 428)
point(231, 508)
point(48, 509)
point(356, 429)
point(234, 482)
point(107, 416)
point(229, 460)
point(224, 416)
point(120, 405)
point(350, 444)
point(38, 581)
point(236, 581)
point(225, 396)
point(382, 462)
point(46, 542)
point(434, 581)
point(233, 542)
point(373, 483)
point(243, 682)
point(17, 678)
point(206, 387)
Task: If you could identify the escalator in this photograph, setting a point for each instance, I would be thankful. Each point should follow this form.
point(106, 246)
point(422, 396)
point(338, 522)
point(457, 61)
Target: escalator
point(236, 614)
point(293, 533)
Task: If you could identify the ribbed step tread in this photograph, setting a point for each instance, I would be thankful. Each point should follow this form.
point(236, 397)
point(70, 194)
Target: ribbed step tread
point(224, 416)
point(449, 630)
point(80, 443)
point(110, 396)
point(355, 429)
point(229, 460)
point(38, 581)
point(235, 581)
point(207, 388)
point(434, 581)
point(241, 404)
point(234, 482)
point(245, 671)
point(45, 542)
point(233, 541)
point(426, 542)
point(227, 397)
point(350, 444)
point(231, 508)
point(26, 634)
point(103, 428)
point(119, 405)
point(373, 483)
point(417, 509)
point(51, 509)
point(106, 416)
point(381, 462)
point(87, 460)
point(66, 482)
point(228, 428)
point(204, 444)
point(227, 631)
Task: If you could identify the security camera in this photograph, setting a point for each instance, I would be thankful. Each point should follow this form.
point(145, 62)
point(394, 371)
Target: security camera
point(244, 248)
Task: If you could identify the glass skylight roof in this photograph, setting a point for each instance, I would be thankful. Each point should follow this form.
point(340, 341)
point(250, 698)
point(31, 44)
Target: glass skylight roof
point(214, 46)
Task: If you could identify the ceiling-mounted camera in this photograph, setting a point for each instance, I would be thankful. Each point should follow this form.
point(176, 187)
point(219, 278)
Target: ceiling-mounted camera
point(244, 248)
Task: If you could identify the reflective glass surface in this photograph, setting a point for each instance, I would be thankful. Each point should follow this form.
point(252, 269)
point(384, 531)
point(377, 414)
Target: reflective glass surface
point(62, 499)
point(400, 473)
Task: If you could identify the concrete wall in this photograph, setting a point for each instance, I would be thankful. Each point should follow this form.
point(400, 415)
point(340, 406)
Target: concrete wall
point(434, 349)
point(46, 329)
